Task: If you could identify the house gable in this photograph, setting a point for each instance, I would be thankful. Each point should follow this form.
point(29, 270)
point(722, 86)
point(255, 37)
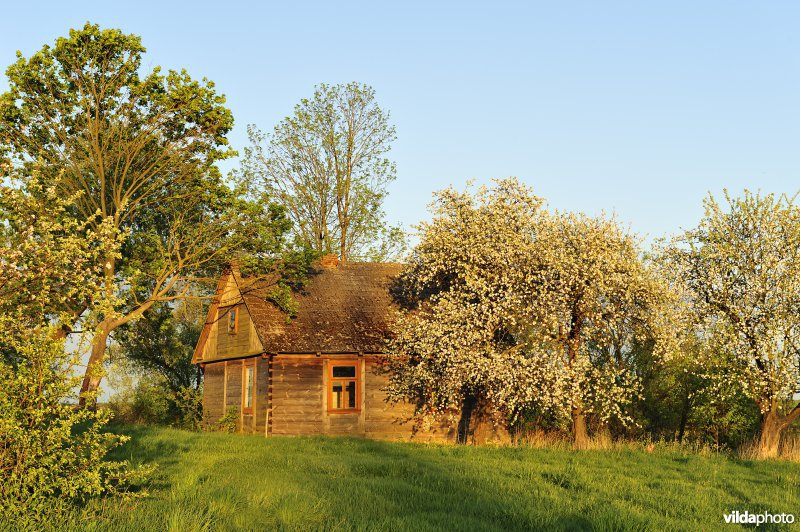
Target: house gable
point(229, 331)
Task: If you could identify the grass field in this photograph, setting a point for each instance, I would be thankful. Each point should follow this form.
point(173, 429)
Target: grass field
point(218, 481)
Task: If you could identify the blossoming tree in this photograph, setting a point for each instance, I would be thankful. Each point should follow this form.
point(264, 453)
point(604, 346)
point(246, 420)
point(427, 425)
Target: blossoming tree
point(741, 269)
point(509, 307)
point(596, 303)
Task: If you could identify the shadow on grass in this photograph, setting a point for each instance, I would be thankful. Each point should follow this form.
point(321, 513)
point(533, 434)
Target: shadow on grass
point(338, 483)
point(439, 488)
point(145, 447)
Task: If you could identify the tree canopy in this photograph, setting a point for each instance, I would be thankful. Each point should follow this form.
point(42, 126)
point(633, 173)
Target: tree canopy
point(513, 307)
point(740, 271)
point(138, 151)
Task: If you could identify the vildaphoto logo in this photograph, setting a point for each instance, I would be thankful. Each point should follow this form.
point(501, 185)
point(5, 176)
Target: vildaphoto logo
point(746, 518)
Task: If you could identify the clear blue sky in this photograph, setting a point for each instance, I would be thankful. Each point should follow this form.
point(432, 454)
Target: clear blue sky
point(630, 107)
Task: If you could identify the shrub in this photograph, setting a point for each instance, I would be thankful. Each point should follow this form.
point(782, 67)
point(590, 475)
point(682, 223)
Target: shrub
point(51, 452)
point(189, 403)
point(229, 422)
point(145, 397)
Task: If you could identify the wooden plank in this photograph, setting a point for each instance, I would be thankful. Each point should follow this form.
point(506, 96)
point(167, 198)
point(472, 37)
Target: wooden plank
point(213, 383)
point(262, 394)
point(296, 398)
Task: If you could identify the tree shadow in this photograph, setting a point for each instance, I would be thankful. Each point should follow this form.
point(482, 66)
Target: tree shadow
point(434, 493)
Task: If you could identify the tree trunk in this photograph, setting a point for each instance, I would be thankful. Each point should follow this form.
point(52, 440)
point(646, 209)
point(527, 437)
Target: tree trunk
point(581, 440)
point(93, 376)
point(466, 419)
point(684, 417)
point(770, 438)
point(343, 241)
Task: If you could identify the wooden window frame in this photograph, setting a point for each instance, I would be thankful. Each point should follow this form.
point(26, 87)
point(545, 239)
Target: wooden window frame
point(251, 364)
point(332, 380)
point(235, 310)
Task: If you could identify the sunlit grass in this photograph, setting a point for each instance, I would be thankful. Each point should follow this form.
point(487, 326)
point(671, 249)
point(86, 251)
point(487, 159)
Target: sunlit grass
point(219, 481)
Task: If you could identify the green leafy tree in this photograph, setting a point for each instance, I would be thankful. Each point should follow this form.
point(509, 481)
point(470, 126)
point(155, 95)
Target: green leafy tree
point(326, 164)
point(51, 455)
point(157, 349)
point(163, 341)
point(138, 151)
point(741, 271)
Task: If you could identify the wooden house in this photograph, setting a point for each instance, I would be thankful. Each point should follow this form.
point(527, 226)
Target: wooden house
point(313, 374)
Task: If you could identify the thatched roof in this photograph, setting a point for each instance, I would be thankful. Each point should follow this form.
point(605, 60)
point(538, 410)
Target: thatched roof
point(345, 308)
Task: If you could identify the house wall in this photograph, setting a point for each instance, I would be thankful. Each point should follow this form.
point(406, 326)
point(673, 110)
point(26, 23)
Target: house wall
point(213, 392)
point(293, 402)
point(296, 396)
point(220, 343)
point(223, 391)
point(384, 421)
point(261, 408)
point(300, 401)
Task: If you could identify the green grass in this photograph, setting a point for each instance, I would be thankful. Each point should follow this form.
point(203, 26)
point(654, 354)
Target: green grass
point(219, 481)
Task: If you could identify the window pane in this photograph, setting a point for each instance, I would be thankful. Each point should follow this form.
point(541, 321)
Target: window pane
point(350, 394)
point(337, 395)
point(248, 394)
point(232, 320)
point(344, 371)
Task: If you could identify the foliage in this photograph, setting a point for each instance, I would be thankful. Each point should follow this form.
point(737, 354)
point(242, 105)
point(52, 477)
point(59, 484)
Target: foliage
point(140, 398)
point(222, 482)
point(597, 307)
point(138, 152)
point(51, 454)
point(326, 165)
point(148, 400)
point(47, 260)
point(522, 309)
point(152, 374)
point(229, 422)
point(678, 402)
point(189, 402)
point(460, 340)
point(163, 341)
point(741, 272)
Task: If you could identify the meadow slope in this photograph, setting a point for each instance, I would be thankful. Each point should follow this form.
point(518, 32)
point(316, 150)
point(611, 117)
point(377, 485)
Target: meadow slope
point(218, 481)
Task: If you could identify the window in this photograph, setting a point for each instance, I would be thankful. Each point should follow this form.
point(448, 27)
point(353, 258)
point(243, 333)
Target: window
point(233, 320)
point(249, 384)
point(344, 387)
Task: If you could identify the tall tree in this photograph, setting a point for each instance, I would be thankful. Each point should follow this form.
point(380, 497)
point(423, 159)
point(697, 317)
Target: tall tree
point(51, 455)
point(47, 263)
point(741, 269)
point(326, 163)
point(163, 342)
point(139, 152)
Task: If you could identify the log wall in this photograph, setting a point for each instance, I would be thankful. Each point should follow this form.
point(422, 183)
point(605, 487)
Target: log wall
point(296, 396)
point(291, 395)
point(213, 392)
